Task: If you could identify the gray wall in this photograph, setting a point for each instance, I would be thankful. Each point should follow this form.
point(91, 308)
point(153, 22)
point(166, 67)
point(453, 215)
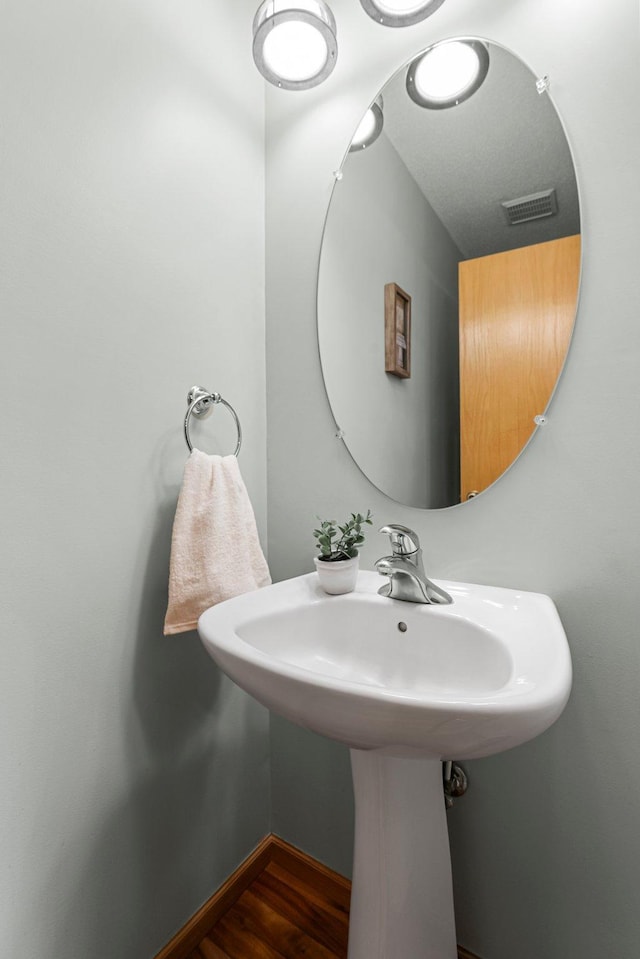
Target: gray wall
point(133, 776)
point(546, 846)
point(380, 229)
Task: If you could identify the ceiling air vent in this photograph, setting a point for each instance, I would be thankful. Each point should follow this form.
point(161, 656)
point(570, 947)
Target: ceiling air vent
point(531, 207)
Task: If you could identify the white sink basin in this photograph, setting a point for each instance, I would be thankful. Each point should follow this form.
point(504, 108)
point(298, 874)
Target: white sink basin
point(484, 674)
point(404, 686)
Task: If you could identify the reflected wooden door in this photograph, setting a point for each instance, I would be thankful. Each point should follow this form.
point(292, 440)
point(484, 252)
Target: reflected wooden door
point(516, 315)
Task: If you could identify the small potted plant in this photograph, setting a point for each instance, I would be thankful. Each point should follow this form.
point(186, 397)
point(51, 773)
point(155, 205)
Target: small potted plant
point(337, 564)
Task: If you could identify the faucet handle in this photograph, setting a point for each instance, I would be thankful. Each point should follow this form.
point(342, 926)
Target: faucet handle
point(403, 540)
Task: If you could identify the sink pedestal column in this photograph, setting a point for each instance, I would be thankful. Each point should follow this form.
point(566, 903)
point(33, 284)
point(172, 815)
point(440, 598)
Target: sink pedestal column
point(402, 895)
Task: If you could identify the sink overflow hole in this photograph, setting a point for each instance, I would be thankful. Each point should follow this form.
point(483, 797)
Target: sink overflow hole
point(402, 627)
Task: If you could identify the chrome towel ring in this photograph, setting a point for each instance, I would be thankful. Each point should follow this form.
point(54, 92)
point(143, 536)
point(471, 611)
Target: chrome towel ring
point(201, 402)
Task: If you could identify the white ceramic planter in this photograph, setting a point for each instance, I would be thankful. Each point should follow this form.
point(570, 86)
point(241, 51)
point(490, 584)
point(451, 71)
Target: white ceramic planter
point(339, 576)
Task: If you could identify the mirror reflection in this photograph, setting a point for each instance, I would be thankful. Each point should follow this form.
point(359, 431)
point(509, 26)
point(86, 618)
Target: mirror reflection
point(448, 275)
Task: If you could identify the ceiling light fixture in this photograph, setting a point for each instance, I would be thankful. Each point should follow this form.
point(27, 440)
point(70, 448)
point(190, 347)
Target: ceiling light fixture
point(294, 42)
point(447, 73)
point(369, 128)
point(399, 13)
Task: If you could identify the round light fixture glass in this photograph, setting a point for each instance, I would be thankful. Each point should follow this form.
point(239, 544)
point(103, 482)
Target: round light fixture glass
point(447, 73)
point(369, 128)
point(400, 13)
point(294, 42)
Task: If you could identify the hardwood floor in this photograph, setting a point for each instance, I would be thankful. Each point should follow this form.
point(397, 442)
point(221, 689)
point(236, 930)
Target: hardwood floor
point(280, 917)
point(279, 904)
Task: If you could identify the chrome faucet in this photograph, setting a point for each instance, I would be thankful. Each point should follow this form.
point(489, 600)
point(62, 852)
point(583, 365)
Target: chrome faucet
point(407, 578)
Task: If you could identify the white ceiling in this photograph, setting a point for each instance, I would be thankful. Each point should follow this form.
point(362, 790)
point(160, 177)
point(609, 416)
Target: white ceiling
point(506, 141)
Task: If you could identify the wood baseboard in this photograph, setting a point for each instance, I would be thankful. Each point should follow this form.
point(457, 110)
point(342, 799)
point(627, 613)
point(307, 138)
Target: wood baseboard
point(271, 849)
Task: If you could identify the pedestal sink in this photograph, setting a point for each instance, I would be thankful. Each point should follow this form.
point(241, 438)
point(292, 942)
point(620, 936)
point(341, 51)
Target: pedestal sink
point(405, 686)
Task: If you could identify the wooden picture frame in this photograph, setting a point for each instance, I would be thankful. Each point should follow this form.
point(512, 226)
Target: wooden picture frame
point(397, 331)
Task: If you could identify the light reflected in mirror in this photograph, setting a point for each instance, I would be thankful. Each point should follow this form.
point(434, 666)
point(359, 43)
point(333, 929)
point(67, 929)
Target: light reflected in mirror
point(453, 240)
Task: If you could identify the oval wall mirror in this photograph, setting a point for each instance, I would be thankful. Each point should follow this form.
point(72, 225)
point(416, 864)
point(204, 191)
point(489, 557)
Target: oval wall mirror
point(448, 276)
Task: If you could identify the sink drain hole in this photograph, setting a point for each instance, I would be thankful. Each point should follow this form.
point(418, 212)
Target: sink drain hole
point(402, 627)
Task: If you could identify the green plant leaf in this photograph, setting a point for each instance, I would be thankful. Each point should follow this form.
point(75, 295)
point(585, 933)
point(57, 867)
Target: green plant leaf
point(337, 541)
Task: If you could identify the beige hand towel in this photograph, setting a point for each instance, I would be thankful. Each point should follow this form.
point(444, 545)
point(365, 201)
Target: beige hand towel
point(215, 551)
